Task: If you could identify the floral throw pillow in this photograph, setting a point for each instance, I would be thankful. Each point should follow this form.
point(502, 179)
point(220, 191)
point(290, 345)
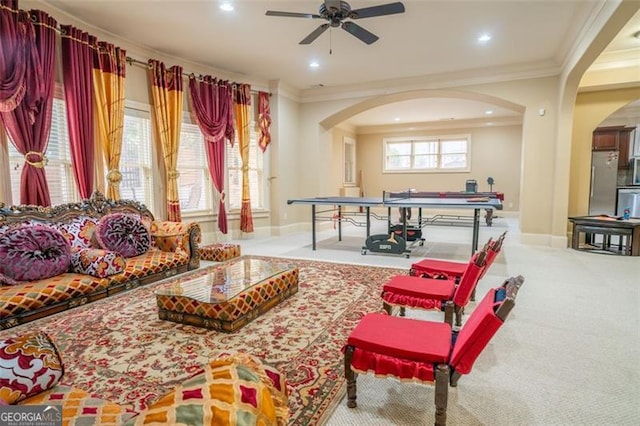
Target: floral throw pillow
point(78, 231)
point(123, 233)
point(33, 252)
point(97, 262)
point(29, 364)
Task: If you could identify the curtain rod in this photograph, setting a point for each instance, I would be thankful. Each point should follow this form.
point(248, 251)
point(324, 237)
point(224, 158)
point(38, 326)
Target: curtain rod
point(132, 61)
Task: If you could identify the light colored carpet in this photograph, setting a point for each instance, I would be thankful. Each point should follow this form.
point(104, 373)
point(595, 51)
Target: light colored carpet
point(569, 353)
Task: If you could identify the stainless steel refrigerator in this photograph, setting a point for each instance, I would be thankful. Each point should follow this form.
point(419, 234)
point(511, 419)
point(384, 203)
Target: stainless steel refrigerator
point(604, 179)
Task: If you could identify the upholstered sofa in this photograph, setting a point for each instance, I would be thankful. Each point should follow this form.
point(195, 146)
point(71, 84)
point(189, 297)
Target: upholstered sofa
point(232, 390)
point(171, 248)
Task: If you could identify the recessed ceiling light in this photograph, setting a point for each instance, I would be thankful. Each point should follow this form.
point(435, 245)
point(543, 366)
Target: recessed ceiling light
point(489, 123)
point(488, 112)
point(226, 6)
point(396, 119)
point(314, 64)
point(484, 38)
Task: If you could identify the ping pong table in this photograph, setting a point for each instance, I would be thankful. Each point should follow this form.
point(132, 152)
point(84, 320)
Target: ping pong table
point(402, 200)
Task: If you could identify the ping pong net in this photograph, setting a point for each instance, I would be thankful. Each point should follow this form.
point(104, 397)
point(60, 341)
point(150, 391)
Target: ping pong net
point(389, 197)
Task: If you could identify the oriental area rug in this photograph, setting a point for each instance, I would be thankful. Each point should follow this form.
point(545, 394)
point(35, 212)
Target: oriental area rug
point(118, 350)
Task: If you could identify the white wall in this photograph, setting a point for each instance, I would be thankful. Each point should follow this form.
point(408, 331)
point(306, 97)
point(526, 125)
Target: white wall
point(495, 152)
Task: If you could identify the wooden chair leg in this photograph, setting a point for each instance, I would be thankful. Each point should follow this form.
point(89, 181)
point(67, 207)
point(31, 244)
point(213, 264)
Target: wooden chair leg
point(455, 376)
point(459, 310)
point(448, 313)
point(442, 394)
point(387, 308)
point(351, 377)
point(402, 311)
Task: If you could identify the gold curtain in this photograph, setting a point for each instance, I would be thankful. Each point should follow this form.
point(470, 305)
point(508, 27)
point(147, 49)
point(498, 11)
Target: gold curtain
point(242, 102)
point(167, 99)
point(108, 85)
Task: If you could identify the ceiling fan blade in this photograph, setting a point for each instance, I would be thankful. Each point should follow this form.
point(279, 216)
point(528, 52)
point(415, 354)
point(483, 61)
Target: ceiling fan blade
point(293, 14)
point(383, 9)
point(315, 34)
point(358, 31)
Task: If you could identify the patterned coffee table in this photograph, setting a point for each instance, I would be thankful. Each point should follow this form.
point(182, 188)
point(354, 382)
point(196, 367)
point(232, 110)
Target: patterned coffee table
point(228, 296)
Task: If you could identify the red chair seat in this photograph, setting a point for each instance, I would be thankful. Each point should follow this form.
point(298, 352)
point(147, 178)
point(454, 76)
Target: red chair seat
point(427, 288)
point(404, 338)
point(434, 266)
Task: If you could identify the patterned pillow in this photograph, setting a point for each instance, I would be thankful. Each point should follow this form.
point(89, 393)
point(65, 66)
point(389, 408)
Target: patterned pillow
point(29, 253)
point(97, 262)
point(123, 233)
point(29, 364)
point(78, 231)
point(232, 390)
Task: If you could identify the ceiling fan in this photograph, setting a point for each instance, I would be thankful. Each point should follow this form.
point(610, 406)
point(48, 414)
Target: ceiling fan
point(335, 12)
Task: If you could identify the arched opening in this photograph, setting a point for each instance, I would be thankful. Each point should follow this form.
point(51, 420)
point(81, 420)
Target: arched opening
point(491, 125)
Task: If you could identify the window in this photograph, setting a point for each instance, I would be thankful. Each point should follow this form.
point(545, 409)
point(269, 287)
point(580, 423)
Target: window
point(256, 170)
point(194, 183)
point(135, 157)
point(349, 157)
point(427, 153)
point(62, 186)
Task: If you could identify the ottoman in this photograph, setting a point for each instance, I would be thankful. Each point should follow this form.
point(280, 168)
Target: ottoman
point(227, 296)
point(219, 252)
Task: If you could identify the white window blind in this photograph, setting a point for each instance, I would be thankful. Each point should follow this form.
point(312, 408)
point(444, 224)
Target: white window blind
point(256, 170)
point(194, 183)
point(426, 154)
point(62, 186)
point(135, 157)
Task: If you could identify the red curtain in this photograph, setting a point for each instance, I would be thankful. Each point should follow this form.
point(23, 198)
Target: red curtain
point(29, 124)
point(212, 107)
point(77, 62)
point(16, 45)
point(264, 121)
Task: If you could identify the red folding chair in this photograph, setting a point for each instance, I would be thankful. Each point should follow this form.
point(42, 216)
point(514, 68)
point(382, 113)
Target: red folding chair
point(425, 351)
point(430, 293)
point(452, 269)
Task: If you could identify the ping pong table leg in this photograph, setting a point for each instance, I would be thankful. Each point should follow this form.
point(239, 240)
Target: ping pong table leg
point(368, 209)
point(476, 230)
point(339, 223)
point(404, 223)
point(474, 243)
point(313, 226)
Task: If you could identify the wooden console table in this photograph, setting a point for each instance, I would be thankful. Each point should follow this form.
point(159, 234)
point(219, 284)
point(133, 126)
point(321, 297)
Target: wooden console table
point(627, 230)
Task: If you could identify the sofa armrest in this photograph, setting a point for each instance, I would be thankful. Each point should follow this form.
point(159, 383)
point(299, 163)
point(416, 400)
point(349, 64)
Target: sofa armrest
point(178, 237)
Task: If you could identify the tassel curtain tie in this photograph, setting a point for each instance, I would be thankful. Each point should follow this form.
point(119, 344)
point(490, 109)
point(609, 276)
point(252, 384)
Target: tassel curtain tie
point(37, 164)
point(173, 174)
point(114, 177)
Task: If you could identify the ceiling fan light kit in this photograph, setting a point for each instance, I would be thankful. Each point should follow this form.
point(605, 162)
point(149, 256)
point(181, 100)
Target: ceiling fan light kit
point(336, 13)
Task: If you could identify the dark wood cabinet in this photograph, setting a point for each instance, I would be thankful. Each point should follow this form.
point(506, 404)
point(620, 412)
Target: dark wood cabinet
point(614, 138)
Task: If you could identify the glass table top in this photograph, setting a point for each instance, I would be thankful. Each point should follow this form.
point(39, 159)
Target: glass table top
point(219, 283)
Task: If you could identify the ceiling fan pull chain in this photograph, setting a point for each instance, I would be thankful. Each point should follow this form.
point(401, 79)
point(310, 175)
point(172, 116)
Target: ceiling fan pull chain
point(330, 41)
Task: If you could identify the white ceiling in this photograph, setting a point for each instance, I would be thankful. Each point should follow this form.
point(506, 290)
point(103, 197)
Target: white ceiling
point(432, 38)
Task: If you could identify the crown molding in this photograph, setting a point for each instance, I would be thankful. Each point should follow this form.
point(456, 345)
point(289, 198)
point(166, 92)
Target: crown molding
point(441, 125)
point(434, 81)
